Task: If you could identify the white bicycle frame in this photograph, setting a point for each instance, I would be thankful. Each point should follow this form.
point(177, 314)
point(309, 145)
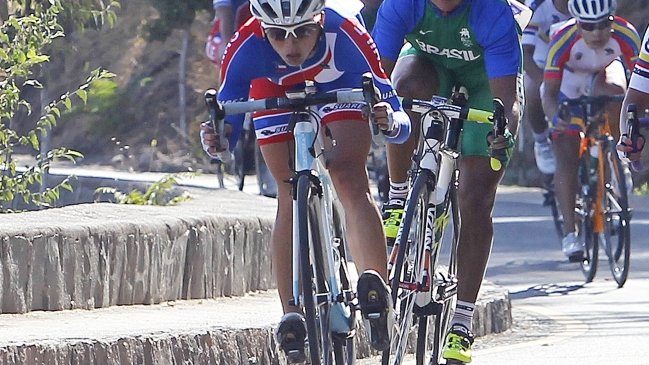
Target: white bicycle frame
point(306, 136)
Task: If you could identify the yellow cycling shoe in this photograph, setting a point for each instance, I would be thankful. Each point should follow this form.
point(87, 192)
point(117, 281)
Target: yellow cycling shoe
point(458, 345)
point(392, 214)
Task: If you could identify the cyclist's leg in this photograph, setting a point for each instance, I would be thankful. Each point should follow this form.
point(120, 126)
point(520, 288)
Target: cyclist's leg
point(346, 164)
point(535, 116)
point(276, 147)
point(566, 147)
point(415, 77)
point(476, 206)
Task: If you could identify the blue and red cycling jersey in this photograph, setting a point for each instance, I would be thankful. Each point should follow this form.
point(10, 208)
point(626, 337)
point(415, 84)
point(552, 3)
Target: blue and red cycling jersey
point(344, 52)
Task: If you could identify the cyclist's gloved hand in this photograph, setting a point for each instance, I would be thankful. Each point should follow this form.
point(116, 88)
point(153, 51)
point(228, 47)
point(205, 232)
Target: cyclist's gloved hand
point(629, 151)
point(381, 115)
point(210, 139)
point(501, 147)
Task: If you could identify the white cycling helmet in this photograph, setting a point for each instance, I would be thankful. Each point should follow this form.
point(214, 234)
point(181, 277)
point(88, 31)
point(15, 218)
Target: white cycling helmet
point(591, 11)
point(285, 12)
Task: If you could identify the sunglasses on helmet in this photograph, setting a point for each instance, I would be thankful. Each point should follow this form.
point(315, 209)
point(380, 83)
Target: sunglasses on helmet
point(589, 27)
point(299, 31)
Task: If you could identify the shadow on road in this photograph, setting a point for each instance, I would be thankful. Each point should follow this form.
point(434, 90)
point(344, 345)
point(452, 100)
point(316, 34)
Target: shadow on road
point(545, 290)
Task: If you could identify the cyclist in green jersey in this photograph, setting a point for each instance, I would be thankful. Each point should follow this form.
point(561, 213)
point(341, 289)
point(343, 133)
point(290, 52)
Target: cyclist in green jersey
point(470, 43)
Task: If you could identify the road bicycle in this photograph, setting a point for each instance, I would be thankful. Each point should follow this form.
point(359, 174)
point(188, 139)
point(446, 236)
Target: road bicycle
point(422, 265)
point(322, 285)
point(602, 208)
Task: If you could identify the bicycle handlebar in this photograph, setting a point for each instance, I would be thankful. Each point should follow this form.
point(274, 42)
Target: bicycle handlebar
point(633, 125)
point(216, 119)
point(464, 113)
point(585, 100)
point(450, 110)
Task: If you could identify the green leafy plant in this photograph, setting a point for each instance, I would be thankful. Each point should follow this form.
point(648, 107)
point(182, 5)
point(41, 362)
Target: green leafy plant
point(159, 193)
point(23, 39)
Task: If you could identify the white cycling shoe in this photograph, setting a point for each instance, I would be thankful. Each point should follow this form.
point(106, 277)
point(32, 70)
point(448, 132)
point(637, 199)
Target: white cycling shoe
point(544, 156)
point(573, 247)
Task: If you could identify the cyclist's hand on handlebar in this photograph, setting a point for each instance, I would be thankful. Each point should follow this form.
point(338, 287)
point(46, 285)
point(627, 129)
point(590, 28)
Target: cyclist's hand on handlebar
point(381, 115)
point(501, 147)
point(629, 151)
point(210, 139)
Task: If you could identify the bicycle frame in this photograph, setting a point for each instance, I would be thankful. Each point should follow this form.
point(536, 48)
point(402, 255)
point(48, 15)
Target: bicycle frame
point(601, 209)
point(422, 287)
point(308, 139)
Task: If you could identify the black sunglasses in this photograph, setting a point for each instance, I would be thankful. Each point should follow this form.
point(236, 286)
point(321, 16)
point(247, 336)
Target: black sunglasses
point(589, 27)
point(278, 33)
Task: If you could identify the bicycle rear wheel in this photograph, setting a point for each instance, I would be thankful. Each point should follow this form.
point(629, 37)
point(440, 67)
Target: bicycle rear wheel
point(584, 216)
point(617, 233)
point(406, 275)
point(310, 236)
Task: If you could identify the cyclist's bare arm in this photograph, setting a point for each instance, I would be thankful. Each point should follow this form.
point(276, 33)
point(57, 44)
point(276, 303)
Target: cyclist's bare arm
point(550, 97)
point(226, 14)
point(641, 100)
point(505, 89)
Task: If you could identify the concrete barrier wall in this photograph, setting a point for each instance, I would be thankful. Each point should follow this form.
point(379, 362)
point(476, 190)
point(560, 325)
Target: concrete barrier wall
point(98, 255)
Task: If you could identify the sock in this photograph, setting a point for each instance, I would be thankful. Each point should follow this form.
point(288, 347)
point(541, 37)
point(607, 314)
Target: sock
point(398, 190)
point(463, 314)
point(540, 137)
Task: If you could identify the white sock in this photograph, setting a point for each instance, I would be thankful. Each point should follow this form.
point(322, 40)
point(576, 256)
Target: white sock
point(463, 314)
point(398, 190)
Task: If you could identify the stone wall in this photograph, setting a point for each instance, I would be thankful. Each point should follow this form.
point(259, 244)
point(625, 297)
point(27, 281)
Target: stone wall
point(98, 255)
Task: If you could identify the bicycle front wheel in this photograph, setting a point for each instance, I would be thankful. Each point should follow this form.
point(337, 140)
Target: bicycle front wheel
point(310, 236)
point(584, 216)
point(444, 280)
point(617, 228)
point(408, 275)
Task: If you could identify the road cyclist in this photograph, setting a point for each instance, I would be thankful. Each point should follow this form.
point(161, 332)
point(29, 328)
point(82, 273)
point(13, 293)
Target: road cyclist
point(588, 56)
point(452, 43)
point(287, 44)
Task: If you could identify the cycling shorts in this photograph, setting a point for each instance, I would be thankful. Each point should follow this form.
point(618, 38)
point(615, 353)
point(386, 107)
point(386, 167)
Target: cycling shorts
point(272, 126)
point(474, 136)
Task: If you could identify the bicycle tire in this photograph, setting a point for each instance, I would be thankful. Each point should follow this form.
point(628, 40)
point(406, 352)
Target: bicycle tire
point(409, 261)
point(446, 275)
point(310, 237)
point(584, 216)
point(617, 233)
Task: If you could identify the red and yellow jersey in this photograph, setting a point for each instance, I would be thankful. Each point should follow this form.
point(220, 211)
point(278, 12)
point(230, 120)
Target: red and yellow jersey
point(640, 77)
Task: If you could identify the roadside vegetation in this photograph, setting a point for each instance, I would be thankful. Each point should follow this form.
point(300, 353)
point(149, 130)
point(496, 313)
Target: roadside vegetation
point(28, 30)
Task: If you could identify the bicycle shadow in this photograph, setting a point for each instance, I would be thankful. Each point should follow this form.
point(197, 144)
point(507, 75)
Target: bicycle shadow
point(546, 290)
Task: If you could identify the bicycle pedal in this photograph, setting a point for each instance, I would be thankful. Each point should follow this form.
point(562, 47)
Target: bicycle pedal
point(372, 315)
point(295, 357)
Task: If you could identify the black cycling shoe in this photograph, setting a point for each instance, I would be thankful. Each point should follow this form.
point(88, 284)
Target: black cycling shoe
point(291, 336)
point(376, 307)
